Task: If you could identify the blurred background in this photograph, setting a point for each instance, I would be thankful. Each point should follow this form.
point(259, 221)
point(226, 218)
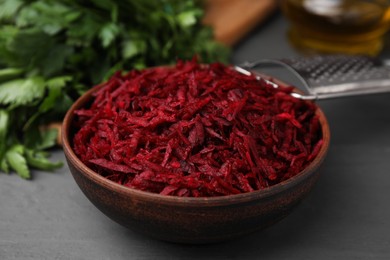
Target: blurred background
point(315, 26)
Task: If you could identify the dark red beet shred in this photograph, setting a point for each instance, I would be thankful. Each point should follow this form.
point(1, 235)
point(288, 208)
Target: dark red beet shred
point(196, 131)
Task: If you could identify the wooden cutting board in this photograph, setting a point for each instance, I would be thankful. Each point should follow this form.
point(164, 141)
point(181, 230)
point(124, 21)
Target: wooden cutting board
point(233, 19)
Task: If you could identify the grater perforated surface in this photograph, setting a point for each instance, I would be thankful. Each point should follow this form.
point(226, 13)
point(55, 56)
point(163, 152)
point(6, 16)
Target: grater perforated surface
point(331, 70)
point(333, 76)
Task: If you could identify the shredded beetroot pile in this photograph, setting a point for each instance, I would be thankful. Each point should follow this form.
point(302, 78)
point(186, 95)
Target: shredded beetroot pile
point(197, 131)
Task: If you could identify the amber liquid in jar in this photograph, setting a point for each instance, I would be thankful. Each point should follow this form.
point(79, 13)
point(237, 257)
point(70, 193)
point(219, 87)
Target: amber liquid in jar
point(337, 26)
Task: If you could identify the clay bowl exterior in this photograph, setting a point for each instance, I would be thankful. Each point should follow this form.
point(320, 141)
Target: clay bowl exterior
point(190, 220)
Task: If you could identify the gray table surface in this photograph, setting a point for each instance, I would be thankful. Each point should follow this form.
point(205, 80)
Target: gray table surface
point(346, 216)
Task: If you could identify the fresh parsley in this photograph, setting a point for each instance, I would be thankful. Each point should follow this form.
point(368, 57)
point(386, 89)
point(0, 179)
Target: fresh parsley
point(51, 51)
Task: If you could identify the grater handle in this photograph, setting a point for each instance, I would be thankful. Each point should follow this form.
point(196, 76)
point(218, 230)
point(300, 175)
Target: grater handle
point(248, 67)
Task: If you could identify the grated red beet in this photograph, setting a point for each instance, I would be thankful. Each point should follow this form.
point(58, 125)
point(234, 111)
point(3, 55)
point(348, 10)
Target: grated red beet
point(196, 130)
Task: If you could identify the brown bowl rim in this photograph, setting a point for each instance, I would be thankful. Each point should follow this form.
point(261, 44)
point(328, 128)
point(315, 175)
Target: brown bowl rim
point(189, 201)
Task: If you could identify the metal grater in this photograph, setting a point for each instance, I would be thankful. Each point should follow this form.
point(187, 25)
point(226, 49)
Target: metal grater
point(332, 76)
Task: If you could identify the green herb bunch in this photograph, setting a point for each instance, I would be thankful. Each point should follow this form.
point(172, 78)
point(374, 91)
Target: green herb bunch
point(51, 51)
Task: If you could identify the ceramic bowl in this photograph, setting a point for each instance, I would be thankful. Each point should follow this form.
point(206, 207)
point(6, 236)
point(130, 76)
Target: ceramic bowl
point(190, 220)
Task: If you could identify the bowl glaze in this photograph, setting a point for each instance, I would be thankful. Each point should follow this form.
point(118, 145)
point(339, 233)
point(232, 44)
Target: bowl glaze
point(190, 220)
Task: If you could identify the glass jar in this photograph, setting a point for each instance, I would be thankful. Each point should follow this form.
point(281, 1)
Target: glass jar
point(337, 26)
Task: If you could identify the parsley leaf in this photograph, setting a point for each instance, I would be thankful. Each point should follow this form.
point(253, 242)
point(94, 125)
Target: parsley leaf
point(4, 122)
point(39, 160)
point(17, 161)
point(20, 92)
